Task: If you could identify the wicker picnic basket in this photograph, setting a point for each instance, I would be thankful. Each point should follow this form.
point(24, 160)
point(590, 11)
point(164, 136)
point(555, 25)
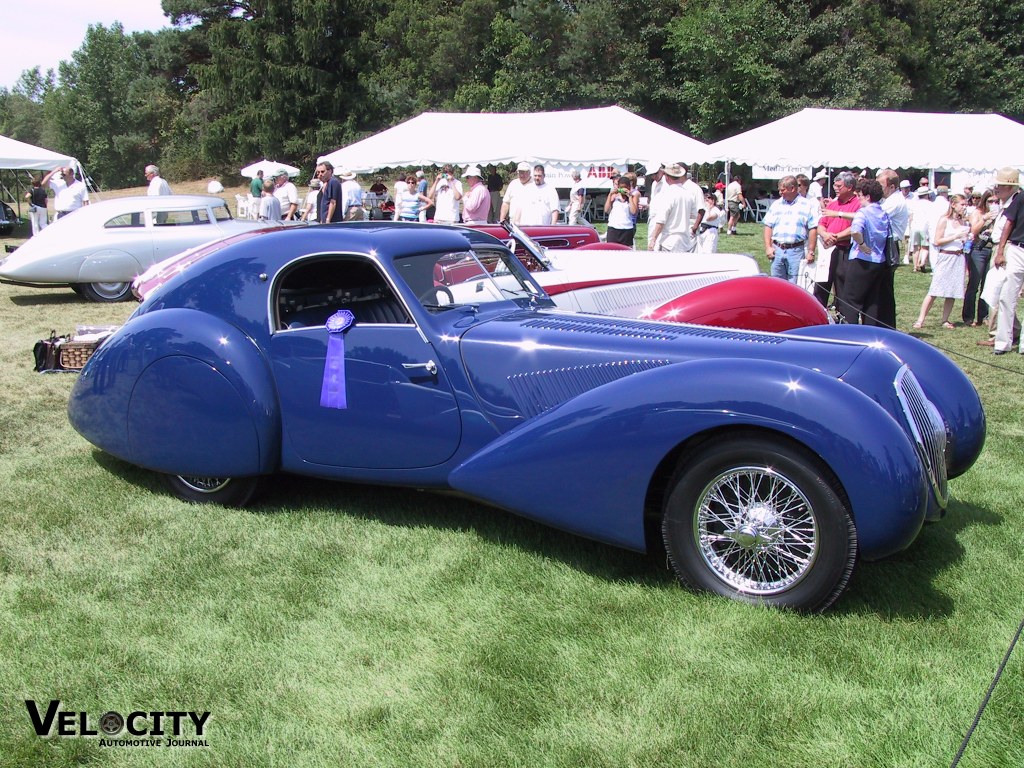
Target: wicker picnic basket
point(73, 355)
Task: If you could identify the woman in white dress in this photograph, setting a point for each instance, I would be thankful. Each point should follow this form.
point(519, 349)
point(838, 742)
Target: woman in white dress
point(949, 269)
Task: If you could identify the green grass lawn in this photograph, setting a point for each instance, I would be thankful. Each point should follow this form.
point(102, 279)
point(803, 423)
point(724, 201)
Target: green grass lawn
point(341, 625)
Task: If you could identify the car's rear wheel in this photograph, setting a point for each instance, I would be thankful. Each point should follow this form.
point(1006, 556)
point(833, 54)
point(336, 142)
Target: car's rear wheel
point(227, 491)
point(104, 292)
point(760, 520)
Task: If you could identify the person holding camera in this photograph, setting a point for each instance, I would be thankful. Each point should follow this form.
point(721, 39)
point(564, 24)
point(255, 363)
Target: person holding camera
point(621, 207)
point(446, 192)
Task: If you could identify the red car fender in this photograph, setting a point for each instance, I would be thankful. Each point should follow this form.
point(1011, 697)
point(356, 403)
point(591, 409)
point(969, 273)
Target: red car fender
point(764, 303)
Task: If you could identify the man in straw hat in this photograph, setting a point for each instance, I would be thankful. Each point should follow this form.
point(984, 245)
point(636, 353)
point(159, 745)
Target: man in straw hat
point(670, 214)
point(1009, 255)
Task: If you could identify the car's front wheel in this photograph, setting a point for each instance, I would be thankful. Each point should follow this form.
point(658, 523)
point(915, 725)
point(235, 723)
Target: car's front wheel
point(761, 520)
point(104, 292)
point(226, 491)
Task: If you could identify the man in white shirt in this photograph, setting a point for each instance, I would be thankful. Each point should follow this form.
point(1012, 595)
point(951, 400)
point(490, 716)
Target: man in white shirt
point(577, 200)
point(351, 196)
point(670, 213)
point(540, 201)
point(157, 184)
point(69, 193)
point(895, 206)
point(692, 188)
point(287, 195)
point(734, 202)
point(815, 192)
point(512, 200)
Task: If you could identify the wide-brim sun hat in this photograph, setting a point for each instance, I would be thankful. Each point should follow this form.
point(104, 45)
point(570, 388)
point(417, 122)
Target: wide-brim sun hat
point(472, 171)
point(344, 174)
point(1008, 177)
point(675, 170)
point(524, 166)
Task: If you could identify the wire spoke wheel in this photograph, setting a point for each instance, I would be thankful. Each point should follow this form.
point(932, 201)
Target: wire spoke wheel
point(755, 529)
point(228, 491)
point(759, 519)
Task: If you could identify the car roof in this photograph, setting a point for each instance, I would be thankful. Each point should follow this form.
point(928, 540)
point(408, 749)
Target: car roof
point(106, 209)
point(272, 248)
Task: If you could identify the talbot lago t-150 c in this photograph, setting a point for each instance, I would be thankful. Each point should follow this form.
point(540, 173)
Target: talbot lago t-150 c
point(766, 463)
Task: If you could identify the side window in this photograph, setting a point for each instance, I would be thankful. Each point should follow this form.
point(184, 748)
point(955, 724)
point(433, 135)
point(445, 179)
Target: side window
point(182, 218)
point(221, 213)
point(125, 221)
point(310, 292)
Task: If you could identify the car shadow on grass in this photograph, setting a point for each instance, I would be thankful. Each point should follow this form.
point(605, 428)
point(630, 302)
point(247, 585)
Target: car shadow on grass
point(903, 586)
point(409, 508)
point(56, 298)
point(900, 587)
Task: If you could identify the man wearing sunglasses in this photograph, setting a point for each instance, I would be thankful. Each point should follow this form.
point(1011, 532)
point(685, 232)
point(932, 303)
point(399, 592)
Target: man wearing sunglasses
point(70, 194)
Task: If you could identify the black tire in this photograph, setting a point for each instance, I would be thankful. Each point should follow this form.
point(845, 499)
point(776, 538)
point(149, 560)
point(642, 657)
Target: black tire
point(105, 293)
point(226, 491)
point(760, 520)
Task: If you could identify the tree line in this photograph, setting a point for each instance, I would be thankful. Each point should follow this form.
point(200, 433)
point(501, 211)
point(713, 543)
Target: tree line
point(230, 82)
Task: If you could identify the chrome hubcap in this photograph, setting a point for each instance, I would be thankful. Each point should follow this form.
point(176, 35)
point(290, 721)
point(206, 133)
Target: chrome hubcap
point(756, 530)
point(109, 290)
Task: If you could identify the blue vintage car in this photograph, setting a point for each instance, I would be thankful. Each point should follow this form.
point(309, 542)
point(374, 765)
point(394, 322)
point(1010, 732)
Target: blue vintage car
point(765, 464)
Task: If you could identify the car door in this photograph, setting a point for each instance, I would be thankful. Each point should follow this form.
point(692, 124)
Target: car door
point(401, 411)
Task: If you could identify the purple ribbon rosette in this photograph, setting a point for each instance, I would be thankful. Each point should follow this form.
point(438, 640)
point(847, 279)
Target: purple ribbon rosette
point(332, 391)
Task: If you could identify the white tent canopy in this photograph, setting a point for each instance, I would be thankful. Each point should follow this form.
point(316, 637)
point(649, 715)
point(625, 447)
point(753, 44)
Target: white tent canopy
point(840, 138)
point(601, 136)
point(19, 156)
point(268, 167)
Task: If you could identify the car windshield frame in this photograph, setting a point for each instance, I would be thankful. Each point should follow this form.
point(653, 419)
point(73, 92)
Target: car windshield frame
point(472, 277)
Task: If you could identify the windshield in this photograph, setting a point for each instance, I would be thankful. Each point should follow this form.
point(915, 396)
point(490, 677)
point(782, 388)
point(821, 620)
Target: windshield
point(468, 278)
point(536, 258)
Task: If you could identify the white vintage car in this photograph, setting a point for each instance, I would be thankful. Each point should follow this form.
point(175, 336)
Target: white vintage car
point(99, 249)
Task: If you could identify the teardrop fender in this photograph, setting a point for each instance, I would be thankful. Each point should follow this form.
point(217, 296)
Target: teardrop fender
point(945, 384)
point(182, 392)
point(587, 465)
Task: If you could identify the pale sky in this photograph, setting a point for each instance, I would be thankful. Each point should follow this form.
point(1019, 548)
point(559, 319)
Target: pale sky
point(45, 33)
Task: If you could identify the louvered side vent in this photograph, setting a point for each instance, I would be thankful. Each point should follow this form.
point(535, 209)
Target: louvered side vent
point(538, 391)
point(636, 298)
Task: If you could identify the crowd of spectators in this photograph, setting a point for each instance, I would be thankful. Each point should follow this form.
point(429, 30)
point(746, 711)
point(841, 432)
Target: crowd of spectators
point(842, 241)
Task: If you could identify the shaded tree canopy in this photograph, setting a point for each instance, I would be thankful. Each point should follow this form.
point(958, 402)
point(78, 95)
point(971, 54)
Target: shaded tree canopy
point(233, 81)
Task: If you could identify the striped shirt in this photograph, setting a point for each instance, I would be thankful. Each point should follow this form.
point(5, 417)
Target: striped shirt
point(791, 221)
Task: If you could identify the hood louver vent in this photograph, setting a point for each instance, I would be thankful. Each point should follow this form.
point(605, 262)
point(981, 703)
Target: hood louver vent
point(536, 392)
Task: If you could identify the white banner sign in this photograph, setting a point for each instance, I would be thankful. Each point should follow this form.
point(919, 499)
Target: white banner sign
point(779, 171)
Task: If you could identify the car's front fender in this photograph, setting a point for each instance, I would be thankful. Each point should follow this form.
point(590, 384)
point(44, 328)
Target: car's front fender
point(588, 464)
point(946, 386)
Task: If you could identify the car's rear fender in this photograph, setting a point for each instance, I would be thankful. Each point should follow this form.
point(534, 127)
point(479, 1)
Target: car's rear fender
point(946, 386)
point(588, 464)
point(109, 266)
point(182, 392)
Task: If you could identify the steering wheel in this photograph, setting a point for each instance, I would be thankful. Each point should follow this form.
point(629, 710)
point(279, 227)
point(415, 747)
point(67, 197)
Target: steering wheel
point(431, 296)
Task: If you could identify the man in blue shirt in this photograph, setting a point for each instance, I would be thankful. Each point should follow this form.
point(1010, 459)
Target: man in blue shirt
point(330, 209)
point(862, 294)
point(790, 231)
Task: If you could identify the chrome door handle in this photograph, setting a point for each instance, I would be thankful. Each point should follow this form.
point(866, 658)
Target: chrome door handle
point(430, 367)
